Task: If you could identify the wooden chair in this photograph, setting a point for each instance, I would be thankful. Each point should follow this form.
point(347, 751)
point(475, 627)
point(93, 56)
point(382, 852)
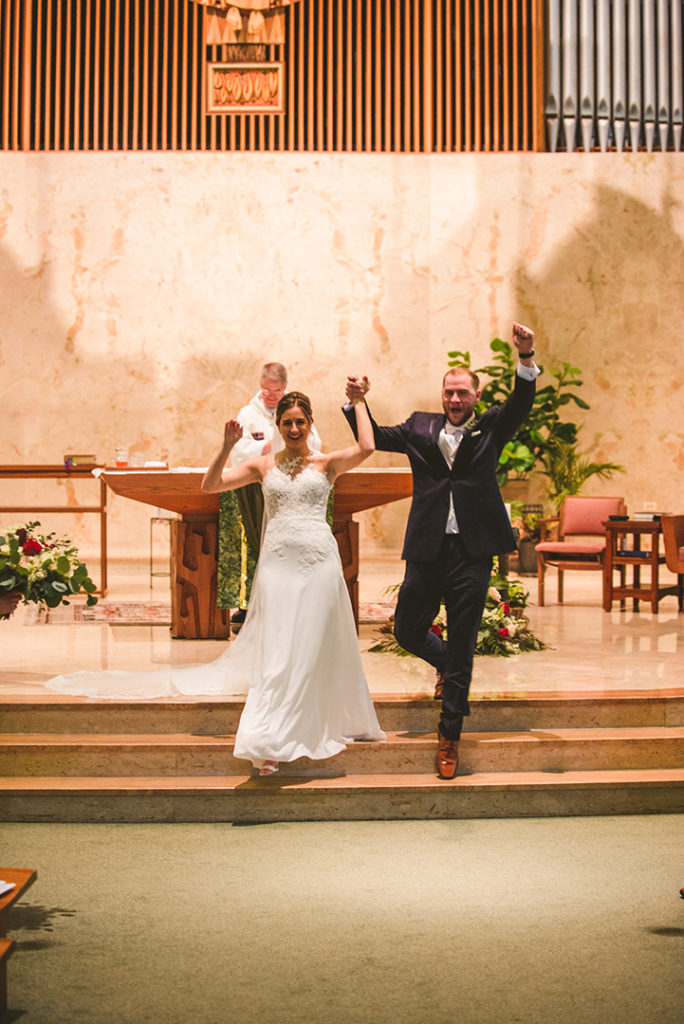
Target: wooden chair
point(22, 879)
point(673, 542)
point(582, 520)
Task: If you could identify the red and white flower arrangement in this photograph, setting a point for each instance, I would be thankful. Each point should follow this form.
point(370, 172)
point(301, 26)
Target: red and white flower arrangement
point(504, 629)
point(41, 568)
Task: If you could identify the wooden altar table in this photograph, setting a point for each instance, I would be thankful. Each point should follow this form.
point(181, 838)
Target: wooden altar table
point(194, 537)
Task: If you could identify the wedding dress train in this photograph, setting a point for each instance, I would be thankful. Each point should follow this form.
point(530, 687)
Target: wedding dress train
point(296, 657)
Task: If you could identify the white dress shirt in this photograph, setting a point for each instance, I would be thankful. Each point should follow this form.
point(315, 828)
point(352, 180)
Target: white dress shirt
point(449, 439)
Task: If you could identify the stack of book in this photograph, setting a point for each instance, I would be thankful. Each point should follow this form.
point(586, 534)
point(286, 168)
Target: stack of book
point(70, 461)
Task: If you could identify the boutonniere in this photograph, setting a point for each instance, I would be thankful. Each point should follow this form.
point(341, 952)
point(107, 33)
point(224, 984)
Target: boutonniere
point(471, 427)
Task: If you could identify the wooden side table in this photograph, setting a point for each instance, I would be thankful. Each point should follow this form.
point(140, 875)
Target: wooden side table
point(622, 552)
point(22, 878)
point(60, 472)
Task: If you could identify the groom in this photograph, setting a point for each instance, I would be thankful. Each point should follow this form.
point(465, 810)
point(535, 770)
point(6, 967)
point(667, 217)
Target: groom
point(457, 522)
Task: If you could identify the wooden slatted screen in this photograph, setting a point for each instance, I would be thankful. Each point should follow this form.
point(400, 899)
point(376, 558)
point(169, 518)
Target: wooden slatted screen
point(414, 76)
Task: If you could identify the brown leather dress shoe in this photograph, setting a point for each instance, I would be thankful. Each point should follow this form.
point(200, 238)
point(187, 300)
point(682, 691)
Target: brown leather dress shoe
point(447, 757)
point(439, 686)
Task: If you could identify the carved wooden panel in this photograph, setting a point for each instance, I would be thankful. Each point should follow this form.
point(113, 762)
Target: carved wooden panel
point(194, 614)
point(346, 533)
point(249, 88)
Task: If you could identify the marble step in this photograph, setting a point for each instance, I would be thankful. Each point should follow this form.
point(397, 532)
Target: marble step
point(557, 750)
point(242, 798)
point(208, 716)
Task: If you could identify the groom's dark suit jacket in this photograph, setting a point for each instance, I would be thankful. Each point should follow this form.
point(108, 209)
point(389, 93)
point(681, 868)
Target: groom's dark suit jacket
point(481, 514)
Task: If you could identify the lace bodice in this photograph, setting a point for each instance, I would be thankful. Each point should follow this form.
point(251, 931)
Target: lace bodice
point(304, 494)
point(296, 512)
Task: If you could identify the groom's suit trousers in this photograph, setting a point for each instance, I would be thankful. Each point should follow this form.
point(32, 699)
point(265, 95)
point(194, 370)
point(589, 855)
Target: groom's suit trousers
point(462, 583)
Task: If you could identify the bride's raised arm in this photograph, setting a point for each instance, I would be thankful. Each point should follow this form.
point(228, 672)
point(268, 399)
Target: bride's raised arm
point(217, 478)
point(346, 459)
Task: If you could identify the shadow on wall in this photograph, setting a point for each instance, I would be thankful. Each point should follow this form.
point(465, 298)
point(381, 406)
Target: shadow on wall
point(611, 302)
point(67, 392)
point(73, 391)
point(35, 380)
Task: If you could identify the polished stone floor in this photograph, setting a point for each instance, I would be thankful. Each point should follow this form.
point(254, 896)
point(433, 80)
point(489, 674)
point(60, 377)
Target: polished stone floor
point(589, 649)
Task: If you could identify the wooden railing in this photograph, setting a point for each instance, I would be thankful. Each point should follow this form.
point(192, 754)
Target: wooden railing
point(372, 76)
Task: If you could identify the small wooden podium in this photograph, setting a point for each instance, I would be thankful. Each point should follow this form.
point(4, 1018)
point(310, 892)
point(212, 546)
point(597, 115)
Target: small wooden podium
point(194, 537)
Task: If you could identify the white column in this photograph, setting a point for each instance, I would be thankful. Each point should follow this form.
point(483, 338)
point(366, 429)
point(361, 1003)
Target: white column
point(553, 64)
point(619, 73)
point(634, 72)
point(587, 72)
point(677, 74)
point(649, 70)
point(663, 112)
point(570, 73)
point(603, 63)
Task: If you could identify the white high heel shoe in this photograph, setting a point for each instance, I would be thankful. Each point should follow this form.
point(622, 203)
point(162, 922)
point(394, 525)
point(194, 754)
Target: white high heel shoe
point(268, 768)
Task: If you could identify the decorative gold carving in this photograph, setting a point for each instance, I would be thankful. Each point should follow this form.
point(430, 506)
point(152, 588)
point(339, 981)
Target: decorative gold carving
point(245, 21)
point(226, 28)
point(246, 5)
point(240, 53)
point(245, 88)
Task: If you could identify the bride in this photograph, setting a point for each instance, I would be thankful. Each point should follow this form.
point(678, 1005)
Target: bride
point(297, 654)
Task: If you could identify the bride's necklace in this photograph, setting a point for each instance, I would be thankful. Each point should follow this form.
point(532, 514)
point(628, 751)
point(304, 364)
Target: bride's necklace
point(292, 464)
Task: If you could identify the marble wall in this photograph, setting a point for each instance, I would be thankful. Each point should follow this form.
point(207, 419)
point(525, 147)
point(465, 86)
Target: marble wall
point(141, 293)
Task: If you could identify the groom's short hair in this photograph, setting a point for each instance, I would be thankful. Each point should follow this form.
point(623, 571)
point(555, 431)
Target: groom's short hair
point(474, 379)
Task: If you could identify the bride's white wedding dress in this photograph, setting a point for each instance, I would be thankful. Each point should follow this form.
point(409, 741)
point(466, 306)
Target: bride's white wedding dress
point(296, 656)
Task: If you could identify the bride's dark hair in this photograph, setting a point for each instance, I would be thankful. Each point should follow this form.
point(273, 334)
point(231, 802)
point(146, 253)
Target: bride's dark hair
point(291, 399)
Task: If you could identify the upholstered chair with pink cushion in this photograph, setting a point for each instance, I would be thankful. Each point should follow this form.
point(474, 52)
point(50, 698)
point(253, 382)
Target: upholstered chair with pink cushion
point(581, 541)
point(673, 541)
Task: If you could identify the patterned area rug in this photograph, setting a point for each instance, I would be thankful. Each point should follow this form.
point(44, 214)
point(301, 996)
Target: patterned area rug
point(133, 613)
point(143, 613)
point(379, 611)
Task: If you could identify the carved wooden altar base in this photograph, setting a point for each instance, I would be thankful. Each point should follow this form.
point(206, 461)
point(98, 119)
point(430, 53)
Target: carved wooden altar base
point(194, 561)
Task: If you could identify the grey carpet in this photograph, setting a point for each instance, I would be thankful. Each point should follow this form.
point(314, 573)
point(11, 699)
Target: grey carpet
point(444, 922)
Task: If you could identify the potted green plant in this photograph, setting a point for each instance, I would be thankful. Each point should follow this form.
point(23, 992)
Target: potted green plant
point(527, 523)
point(568, 469)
